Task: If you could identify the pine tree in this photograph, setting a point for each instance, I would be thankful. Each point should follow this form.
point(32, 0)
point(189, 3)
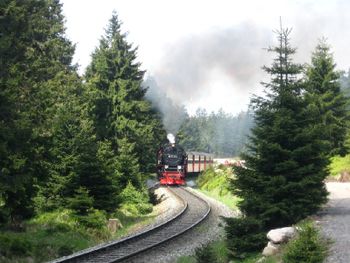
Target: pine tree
point(323, 89)
point(286, 163)
point(120, 111)
point(35, 58)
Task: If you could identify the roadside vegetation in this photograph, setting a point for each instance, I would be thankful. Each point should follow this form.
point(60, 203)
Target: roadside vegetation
point(75, 150)
point(339, 167)
point(214, 182)
point(45, 236)
point(300, 125)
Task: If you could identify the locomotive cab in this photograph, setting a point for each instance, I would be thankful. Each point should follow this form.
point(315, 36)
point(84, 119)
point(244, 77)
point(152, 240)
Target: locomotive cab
point(172, 165)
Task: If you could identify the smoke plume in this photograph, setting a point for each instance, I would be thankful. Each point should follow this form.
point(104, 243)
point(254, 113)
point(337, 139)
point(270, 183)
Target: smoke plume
point(173, 114)
point(191, 66)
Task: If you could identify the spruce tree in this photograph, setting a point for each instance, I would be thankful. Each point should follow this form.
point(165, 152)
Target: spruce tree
point(323, 89)
point(35, 57)
point(119, 109)
point(282, 182)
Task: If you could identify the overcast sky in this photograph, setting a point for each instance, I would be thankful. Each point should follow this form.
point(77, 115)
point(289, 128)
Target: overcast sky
point(209, 53)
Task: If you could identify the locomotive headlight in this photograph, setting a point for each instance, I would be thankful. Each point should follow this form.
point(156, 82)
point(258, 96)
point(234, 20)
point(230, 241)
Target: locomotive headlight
point(179, 167)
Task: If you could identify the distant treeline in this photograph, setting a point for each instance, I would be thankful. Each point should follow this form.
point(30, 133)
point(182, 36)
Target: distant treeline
point(222, 134)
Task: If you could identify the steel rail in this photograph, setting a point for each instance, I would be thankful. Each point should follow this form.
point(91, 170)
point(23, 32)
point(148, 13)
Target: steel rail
point(194, 211)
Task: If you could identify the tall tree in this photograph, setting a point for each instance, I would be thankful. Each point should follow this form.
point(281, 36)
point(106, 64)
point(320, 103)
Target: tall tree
point(35, 57)
point(121, 114)
point(323, 89)
point(282, 182)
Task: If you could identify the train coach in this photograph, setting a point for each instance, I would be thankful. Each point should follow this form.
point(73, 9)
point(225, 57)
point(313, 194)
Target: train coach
point(173, 164)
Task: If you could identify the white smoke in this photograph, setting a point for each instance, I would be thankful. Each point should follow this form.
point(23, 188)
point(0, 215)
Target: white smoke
point(171, 138)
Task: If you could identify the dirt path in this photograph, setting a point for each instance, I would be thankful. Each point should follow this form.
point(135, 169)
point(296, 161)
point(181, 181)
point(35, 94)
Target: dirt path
point(335, 222)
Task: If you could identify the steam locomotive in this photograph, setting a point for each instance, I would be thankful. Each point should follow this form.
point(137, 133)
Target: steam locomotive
point(171, 164)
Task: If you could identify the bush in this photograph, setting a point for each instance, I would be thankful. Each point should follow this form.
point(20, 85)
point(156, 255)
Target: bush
point(205, 254)
point(244, 235)
point(81, 202)
point(134, 202)
point(14, 245)
point(94, 219)
point(56, 221)
point(308, 247)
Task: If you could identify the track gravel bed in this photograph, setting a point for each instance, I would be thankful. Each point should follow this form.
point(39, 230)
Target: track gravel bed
point(209, 230)
point(335, 222)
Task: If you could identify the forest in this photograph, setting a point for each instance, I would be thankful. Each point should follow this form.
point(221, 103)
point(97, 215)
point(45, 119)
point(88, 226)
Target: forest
point(81, 147)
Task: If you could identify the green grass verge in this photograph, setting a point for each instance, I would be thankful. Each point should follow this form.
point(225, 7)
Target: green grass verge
point(214, 182)
point(338, 165)
point(56, 234)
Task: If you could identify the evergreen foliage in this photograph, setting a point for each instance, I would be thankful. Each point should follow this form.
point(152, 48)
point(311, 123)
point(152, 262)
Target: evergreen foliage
point(119, 109)
point(244, 235)
point(135, 201)
point(308, 247)
point(35, 59)
point(323, 90)
point(219, 133)
point(61, 138)
point(205, 254)
point(282, 182)
point(81, 202)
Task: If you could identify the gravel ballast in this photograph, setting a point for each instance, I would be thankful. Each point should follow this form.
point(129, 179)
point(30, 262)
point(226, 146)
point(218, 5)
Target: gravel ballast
point(335, 222)
point(207, 231)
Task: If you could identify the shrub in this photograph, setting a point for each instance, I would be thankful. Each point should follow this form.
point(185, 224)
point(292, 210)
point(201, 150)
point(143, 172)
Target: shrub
point(135, 202)
point(56, 221)
point(14, 245)
point(244, 235)
point(81, 202)
point(205, 254)
point(94, 219)
point(308, 247)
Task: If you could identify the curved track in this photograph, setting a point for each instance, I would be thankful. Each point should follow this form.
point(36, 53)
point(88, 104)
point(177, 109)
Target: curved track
point(195, 210)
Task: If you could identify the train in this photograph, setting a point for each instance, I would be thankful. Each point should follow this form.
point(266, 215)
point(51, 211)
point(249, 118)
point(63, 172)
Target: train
point(174, 164)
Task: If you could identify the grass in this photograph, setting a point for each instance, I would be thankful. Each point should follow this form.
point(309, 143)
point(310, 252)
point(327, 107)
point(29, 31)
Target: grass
point(338, 165)
point(56, 234)
point(214, 182)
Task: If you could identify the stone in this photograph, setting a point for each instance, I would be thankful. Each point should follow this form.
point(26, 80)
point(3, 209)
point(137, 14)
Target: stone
point(114, 224)
point(261, 260)
point(270, 250)
point(281, 235)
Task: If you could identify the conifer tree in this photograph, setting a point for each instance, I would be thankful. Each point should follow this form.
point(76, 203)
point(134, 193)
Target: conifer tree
point(282, 182)
point(35, 58)
point(120, 111)
point(323, 89)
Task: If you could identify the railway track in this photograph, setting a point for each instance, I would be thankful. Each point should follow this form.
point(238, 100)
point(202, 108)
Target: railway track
point(195, 210)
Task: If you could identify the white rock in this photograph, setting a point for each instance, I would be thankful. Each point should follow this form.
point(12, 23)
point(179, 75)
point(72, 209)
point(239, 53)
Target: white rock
point(281, 235)
point(261, 260)
point(114, 224)
point(270, 249)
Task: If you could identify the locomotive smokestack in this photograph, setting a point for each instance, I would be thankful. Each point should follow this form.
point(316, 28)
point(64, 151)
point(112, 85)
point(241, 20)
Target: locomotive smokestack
point(171, 138)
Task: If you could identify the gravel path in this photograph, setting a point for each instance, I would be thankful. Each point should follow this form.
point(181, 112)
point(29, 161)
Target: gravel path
point(207, 231)
point(335, 222)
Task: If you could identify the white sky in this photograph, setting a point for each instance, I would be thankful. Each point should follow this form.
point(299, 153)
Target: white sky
point(160, 27)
